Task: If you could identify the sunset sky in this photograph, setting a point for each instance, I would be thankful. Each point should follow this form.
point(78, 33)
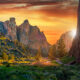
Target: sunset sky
point(53, 17)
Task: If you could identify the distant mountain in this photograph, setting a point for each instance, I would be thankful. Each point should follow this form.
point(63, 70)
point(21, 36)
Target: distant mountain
point(26, 34)
point(68, 38)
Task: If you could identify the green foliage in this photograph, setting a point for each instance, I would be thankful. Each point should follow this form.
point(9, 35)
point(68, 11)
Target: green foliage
point(61, 51)
point(40, 73)
point(52, 52)
point(38, 55)
point(58, 50)
point(5, 56)
point(6, 64)
point(67, 59)
point(11, 47)
point(11, 57)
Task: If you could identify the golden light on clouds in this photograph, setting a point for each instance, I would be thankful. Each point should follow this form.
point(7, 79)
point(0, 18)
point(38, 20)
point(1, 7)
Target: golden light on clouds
point(53, 20)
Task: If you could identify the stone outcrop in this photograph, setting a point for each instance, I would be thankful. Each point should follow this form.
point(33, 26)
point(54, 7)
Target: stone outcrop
point(26, 34)
point(11, 29)
point(2, 28)
point(68, 39)
point(32, 36)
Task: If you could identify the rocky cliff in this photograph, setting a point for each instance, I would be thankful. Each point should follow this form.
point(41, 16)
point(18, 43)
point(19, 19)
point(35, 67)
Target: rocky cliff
point(11, 28)
point(25, 33)
point(68, 38)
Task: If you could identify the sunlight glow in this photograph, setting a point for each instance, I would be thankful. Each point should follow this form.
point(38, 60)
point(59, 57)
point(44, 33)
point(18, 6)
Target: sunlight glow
point(73, 33)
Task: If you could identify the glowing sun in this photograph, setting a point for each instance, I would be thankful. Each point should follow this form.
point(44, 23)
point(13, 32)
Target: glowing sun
point(73, 33)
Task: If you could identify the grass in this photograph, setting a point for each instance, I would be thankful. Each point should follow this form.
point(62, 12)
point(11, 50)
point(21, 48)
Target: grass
point(55, 62)
point(67, 59)
point(40, 73)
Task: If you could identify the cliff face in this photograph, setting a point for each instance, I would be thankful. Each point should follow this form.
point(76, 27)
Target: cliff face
point(11, 29)
point(32, 36)
point(22, 32)
point(68, 39)
point(2, 28)
point(25, 33)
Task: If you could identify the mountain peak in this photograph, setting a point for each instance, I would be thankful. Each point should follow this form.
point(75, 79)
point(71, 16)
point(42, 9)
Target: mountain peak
point(25, 34)
point(12, 19)
point(26, 21)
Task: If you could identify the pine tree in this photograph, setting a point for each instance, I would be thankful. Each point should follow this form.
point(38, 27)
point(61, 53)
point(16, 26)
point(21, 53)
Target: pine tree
point(52, 52)
point(12, 57)
point(38, 55)
point(61, 51)
point(5, 56)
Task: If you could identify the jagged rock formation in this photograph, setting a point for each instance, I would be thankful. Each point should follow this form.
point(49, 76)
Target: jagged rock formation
point(2, 28)
point(22, 32)
point(11, 29)
point(68, 39)
point(75, 49)
point(25, 33)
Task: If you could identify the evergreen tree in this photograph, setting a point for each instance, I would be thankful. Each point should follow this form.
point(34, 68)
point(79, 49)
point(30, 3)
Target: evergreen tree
point(5, 56)
point(61, 51)
point(12, 57)
point(52, 52)
point(38, 55)
point(29, 55)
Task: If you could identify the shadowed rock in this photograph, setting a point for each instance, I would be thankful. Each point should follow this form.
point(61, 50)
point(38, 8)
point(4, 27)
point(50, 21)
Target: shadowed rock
point(2, 28)
point(75, 49)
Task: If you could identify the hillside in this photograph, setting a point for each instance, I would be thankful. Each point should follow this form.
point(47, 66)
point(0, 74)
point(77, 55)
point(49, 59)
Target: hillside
point(12, 47)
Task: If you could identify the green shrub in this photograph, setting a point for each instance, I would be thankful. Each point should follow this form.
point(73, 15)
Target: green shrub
point(6, 64)
point(67, 59)
point(40, 73)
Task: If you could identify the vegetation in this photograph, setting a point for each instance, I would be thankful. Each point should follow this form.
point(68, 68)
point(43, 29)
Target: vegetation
point(61, 51)
point(58, 50)
point(5, 56)
point(40, 73)
point(17, 63)
point(52, 52)
point(38, 55)
point(11, 49)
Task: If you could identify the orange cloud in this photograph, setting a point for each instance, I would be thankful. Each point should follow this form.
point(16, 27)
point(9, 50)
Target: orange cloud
point(53, 19)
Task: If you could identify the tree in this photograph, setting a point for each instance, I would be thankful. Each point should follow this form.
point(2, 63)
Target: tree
point(52, 52)
point(29, 55)
point(5, 56)
point(38, 55)
point(75, 49)
point(12, 57)
point(61, 51)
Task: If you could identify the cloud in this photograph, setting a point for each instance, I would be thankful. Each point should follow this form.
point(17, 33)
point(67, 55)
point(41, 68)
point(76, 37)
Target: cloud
point(38, 4)
point(12, 5)
point(28, 1)
point(58, 9)
point(65, 8)
point(32, 1)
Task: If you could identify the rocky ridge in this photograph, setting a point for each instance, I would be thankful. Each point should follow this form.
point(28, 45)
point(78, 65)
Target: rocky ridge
point(25, 33)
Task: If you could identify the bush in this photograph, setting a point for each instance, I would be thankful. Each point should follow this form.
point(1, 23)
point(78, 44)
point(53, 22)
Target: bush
point(6, 64)
point(40, 73)
point(67, 59)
